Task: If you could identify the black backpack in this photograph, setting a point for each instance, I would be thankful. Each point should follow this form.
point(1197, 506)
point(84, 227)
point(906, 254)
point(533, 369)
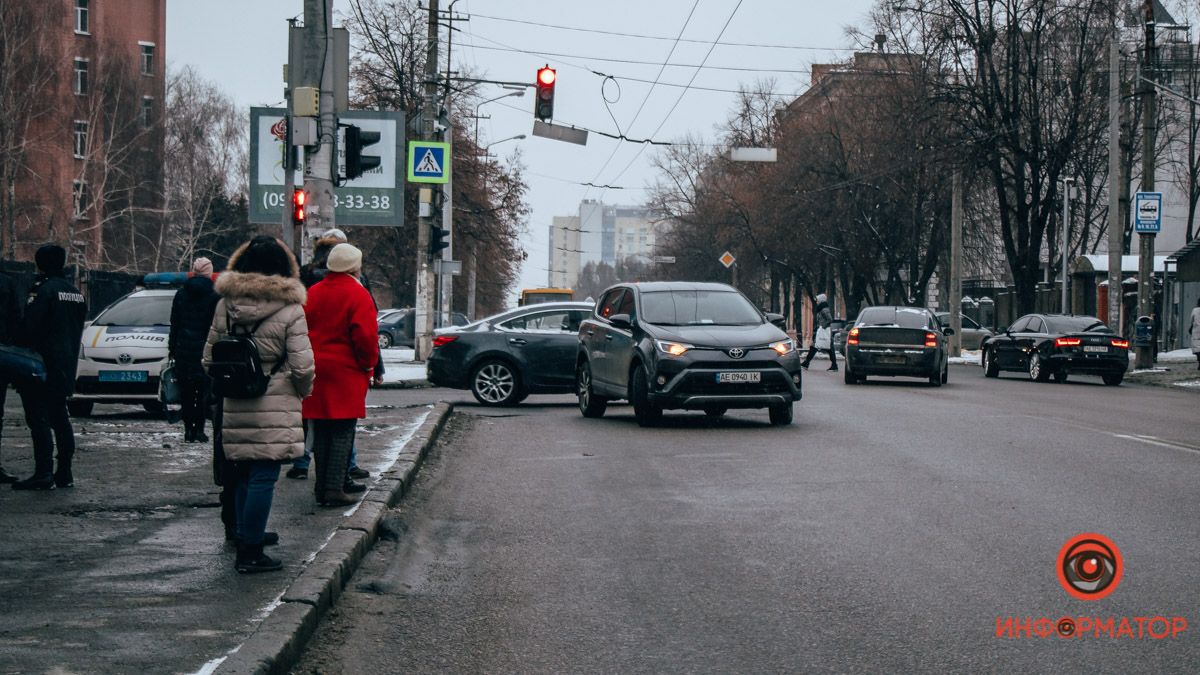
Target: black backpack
point(236, 368)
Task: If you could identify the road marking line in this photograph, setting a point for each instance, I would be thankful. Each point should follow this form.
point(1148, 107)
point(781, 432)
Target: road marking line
point(1154, 440)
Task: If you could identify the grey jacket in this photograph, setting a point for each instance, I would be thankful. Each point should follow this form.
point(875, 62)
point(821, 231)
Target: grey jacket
point(822, 315)
point(270, 427)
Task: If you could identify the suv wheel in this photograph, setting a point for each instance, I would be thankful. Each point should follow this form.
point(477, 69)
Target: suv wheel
point(495, 383)
point(1113, 380)
point(590, 404)
point(781, 414)
point(385, 341)
point(646, 413)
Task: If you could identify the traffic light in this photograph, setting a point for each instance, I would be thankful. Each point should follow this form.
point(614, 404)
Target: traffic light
point(543, 103)
point(437, 241)
point(299, 202)
point(356, 162)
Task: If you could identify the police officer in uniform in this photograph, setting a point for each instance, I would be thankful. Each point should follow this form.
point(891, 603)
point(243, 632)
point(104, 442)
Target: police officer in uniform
point(54, 315)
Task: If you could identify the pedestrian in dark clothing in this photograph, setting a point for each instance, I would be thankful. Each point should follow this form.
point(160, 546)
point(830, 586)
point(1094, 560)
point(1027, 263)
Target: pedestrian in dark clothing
point(53, 323)
point(343, 331)
point(10, 319)
point(822, 319)
point(191, 316)
point(261, 293)
point(312, 273)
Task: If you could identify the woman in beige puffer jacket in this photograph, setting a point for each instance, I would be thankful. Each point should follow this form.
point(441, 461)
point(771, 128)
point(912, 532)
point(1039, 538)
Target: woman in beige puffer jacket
point(262, 292)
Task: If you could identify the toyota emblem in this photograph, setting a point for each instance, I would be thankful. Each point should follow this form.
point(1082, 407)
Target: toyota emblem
point(737, 353)
point(125, 359)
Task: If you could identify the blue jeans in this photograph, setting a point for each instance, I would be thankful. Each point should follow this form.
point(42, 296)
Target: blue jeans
point(303, 461)
point(254, 493)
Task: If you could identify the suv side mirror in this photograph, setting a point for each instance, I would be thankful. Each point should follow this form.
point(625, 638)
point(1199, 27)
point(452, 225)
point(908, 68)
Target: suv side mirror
point(947, 331)
point(621, 321)
point(777, 319)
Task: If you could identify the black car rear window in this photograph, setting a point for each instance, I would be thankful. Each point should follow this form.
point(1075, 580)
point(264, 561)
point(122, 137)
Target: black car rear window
point(696, 308)
point(1075, 324)
point(904, 317)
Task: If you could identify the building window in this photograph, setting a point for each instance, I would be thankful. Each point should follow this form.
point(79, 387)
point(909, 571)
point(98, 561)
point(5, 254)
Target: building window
point(147, 112)
point(81, 16)
point(80, 199)
point(81, 76)
point(147, 58)
point(81, 139)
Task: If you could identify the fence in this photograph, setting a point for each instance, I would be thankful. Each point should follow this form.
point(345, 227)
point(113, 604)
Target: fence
point(101, 288)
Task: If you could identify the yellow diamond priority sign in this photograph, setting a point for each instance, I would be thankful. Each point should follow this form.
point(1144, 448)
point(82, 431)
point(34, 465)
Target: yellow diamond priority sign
point(727, 259)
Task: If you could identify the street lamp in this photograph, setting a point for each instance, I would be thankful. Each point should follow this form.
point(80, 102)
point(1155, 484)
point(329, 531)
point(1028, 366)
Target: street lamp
point(518, 137)
point(519, 92)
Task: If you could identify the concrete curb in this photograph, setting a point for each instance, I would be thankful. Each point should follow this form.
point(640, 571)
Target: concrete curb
point(276, 645)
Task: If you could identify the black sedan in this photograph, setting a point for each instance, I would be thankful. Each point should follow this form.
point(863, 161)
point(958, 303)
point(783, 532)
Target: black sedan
point(685, 346)
point(890, 340)
point(506, 357)
point(1057, 345)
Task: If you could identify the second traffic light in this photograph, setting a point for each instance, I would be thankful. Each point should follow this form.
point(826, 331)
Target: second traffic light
point(438, 240)
point(356, 162)
point(543, 103)
point(299, 203)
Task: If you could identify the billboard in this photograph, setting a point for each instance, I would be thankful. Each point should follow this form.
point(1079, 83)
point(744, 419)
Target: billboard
point(375, 198)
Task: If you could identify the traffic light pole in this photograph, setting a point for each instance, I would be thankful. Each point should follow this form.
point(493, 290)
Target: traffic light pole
point(319, 162)
point(1145, 354)
point(446, 281)
point(423, 327)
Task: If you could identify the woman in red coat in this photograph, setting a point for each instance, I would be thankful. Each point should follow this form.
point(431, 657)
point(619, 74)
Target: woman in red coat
point(344, 336)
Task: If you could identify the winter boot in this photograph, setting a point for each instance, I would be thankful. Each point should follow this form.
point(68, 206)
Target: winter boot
point(336, 498)
point(35, 483)
point(251, 559)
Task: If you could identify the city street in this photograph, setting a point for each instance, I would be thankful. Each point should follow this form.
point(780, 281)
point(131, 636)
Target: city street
point(887, 530)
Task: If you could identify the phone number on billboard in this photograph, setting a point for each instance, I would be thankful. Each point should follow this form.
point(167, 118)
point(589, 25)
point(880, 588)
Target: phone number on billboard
point(274, 200)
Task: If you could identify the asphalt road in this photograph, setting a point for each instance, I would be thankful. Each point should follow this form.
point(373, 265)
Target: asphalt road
point(887, 530)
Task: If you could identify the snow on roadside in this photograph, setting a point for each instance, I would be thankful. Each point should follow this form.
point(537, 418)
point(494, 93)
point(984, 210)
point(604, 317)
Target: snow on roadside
point(1191, 384)
point(969, 357)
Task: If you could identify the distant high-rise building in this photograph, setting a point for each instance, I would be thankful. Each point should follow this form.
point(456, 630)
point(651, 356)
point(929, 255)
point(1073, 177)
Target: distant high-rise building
point(601, 233)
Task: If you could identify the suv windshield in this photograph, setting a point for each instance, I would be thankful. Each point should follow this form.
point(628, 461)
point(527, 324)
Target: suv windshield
point(151, 310)
point(694, 308)
point(904, 317)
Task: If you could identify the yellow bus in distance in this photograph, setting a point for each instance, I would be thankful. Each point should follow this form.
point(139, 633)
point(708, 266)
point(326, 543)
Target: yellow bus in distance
point(536, 296)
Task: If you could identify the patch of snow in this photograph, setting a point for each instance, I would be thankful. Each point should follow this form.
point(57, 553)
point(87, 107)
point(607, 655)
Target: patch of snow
point(1185, 354)
point(1191, 384)
point(398, 355)
point(404, 372)
point(1151, 370)
point(970, 357)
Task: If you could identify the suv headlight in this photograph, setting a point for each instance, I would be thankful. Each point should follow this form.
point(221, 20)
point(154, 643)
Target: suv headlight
point(783, 347)
point(672, 348)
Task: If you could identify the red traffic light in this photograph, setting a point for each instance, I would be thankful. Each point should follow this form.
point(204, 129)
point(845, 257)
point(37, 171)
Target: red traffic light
point(299, 198)
point(546, 76)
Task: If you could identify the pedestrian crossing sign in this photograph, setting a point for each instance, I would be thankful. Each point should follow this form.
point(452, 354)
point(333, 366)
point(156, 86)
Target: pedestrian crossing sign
point(428, 162)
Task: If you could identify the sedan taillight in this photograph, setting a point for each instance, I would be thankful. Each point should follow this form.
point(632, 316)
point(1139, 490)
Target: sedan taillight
point(1123, 344)
point(439, 340)
point(931, 340)
point(852, 336)
point(1067, 342)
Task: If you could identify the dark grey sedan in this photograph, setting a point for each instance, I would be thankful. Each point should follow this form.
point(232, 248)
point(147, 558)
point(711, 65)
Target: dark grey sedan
point(506, 357)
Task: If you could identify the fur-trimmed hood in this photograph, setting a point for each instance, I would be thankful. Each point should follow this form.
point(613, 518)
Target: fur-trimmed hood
point(251, 297)
point(321, 249)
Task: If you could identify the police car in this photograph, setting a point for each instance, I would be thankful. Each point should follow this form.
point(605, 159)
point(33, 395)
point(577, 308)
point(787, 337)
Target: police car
point(125, 348)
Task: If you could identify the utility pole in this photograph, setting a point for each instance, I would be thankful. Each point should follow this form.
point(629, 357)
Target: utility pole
point(956, 216)
point(1145, 354)
point(319, 162)
point(423, 328)
point(1116, 227)
point(446, 280)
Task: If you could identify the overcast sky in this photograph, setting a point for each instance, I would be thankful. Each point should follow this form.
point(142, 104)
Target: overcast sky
point(242, 46)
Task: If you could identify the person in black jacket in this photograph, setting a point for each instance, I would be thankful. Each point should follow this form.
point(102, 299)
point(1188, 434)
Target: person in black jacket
point(191, 315)
point(53, 323)
point(10, 318)
point(822, 318)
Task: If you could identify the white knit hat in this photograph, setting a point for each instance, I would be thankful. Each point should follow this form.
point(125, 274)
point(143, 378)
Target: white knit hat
point(821, 297)
point(344, 258)
point(335, 233)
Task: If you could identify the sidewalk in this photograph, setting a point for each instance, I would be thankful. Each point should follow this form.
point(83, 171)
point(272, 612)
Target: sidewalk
point(129, 571)
point(400, 370)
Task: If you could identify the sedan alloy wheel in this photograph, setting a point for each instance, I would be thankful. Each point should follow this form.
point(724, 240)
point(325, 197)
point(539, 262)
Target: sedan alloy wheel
point(1037, 369)
point(495, 383)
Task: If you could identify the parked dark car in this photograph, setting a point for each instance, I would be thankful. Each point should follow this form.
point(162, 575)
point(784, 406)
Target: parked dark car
point(838, 328)
point(972, 334)
point(506, 357)
point(1057, 345)
point(890, 340)
point(682, 345)
point(396, 327)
